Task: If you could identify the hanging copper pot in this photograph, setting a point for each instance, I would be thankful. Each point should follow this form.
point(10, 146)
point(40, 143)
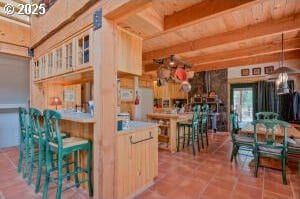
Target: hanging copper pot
point(180, 74)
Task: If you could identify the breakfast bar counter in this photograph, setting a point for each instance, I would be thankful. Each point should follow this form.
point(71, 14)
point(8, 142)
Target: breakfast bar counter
point(168, 127)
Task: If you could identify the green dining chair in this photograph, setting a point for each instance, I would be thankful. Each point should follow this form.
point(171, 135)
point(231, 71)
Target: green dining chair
point(267, 115)
point(64, 147)
point(239, 141)
point(192, 127)
point(268, 147)
point(24, 141)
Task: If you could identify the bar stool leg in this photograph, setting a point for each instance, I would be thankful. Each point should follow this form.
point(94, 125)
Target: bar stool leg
point(40, 165)
point(201, 134)
point(90, 169)
point(184, 135)
point(26, 156)
point(21, 155)
point(178, 137)
point(193, 141)
point(189, 136)
point(206, 129)
point(29, 180)
point(76, 168)
point(67, 160)
point(48, 168)
point(198, 140)
point(60, 176)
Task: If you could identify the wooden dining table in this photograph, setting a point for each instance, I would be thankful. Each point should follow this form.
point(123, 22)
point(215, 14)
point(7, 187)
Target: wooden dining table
point(248, 128)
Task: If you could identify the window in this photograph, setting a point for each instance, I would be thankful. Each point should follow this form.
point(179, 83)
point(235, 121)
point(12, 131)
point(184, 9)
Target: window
point(59, 59)
point(50, 63)
point(69, 63)
point(83, 50)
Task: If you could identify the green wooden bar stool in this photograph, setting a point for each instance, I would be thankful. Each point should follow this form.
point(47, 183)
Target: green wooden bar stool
point(37, 141)
point(269, 147)
point(24, 141)
point(203, 124)
point(191, 126)
point(64, 147)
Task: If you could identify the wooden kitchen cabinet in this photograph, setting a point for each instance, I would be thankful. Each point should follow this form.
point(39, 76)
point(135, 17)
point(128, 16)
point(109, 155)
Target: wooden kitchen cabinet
point(169, 91)
point(137, 161)
point(129, 52)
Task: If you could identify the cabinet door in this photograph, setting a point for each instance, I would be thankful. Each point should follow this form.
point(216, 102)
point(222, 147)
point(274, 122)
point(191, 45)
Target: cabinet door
point(137, 163)
point(129, 52)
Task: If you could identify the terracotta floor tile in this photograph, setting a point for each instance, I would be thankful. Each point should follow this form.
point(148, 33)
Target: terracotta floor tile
point(278, 187)
point(271, 195)
point(212, 192)
point(242, 191)
point(163, 188)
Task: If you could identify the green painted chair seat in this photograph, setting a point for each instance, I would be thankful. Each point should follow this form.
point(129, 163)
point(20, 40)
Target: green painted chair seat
point(243, 139)
point(70, 142)
point(64, 135)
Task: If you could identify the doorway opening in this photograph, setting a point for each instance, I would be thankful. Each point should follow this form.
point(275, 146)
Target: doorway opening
point(243, 101)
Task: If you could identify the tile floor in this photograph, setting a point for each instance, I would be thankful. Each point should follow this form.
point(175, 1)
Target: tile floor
point(211, 175)
point(208, 175)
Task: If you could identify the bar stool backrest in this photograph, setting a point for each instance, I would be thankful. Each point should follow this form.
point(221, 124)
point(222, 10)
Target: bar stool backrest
point(196, 111)
point(204, 115)
point(34, 122)
point(23, 120)
point(51, 125)
point(267, 115)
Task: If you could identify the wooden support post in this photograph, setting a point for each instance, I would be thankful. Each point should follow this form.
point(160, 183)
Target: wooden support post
point(105, 96)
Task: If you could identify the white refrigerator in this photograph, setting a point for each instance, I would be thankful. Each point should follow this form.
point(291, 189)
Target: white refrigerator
point(146, 104)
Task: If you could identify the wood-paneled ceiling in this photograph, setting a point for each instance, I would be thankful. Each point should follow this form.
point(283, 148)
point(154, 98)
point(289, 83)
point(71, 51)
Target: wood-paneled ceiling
point(207, 32)
point(14, 18)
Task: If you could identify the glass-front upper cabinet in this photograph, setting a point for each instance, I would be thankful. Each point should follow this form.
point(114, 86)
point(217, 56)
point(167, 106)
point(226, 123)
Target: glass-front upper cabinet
point(58, 60)
point(69, 56)
point(50, 64)
point(36, 70)
point(83, 50)
point(43, 67)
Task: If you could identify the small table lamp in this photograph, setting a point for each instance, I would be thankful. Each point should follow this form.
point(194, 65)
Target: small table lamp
point(55, 101)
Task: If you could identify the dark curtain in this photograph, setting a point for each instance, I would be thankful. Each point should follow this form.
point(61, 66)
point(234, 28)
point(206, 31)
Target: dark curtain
point(267, 97)
point(268, 100)
point(285, 103)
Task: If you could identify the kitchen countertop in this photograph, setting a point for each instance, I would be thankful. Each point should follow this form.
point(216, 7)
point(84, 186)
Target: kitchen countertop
point(77, 117)
point(137, 125)
point(171, 115)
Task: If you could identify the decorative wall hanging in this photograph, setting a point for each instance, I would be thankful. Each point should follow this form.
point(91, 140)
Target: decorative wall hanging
point(245, 72)
point(268, 70)
point(256, 71)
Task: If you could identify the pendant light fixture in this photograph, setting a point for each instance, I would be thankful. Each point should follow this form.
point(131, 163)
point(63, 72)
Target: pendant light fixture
point(282, 73)
point(281, 81)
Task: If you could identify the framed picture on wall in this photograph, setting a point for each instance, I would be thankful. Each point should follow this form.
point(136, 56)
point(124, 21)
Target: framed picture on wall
point(256, 71)
point(245, 72)
point(269, 70)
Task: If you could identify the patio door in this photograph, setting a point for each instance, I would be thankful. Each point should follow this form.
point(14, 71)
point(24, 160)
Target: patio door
point(243, 101)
